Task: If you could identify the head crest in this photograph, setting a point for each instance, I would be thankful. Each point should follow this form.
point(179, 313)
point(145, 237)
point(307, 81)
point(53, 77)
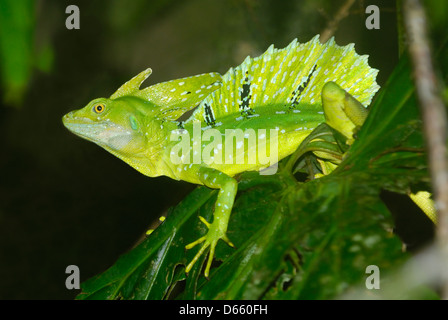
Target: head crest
point(132, 86)
point(171, 98)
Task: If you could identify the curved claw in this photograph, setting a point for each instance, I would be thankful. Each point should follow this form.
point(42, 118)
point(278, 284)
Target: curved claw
point(191, 245)
point(198, 255)
point(209, 240)
point(205, 222)
point(227, 240)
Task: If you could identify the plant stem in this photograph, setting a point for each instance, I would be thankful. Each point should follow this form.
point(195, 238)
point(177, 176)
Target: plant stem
point(434, 121)
point(332, 25)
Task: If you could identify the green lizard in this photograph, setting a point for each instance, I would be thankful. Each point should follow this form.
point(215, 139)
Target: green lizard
point(271, 102)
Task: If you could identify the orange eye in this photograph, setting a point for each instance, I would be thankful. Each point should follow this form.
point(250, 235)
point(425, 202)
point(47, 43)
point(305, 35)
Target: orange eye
point(99, 108)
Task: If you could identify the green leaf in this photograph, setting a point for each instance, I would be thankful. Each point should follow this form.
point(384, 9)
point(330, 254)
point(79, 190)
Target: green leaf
point(146, 272)
point(16, 47)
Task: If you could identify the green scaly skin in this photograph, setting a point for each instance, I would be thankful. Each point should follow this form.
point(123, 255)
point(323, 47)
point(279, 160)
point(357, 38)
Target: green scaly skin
point(290, 91)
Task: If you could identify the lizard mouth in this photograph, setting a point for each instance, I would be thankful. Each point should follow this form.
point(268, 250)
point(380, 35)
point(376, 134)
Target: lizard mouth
point(81, 126)
point(104, 133)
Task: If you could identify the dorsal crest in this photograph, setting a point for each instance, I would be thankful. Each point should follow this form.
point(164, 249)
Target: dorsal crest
point(285, 79)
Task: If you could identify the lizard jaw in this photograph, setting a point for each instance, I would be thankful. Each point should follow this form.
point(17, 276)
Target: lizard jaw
point(104, 133)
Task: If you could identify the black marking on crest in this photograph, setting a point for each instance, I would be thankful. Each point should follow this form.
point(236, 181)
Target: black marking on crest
point(298, 91)
point(245, 97)
point(209, 118)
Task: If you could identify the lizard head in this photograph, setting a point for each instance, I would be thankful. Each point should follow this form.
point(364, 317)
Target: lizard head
point(114, 124)
point(128, 124)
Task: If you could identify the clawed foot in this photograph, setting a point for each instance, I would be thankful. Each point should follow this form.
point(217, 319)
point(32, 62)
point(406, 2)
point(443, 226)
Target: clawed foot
point(215, 232)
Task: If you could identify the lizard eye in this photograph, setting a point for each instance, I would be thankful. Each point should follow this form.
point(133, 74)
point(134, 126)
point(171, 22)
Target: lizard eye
point(99, 108)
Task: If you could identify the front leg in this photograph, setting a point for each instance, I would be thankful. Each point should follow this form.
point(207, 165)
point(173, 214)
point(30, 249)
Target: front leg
point(223, 207)
point(345, 114)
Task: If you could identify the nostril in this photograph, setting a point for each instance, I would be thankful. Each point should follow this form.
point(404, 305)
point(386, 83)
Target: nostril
point(67, 117)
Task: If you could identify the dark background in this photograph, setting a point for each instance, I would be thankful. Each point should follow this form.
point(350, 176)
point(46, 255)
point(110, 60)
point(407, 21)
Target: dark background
point(66, 201)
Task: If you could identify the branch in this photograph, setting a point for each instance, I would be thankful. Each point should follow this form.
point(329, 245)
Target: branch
point(332, 25)
point(434, 120)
